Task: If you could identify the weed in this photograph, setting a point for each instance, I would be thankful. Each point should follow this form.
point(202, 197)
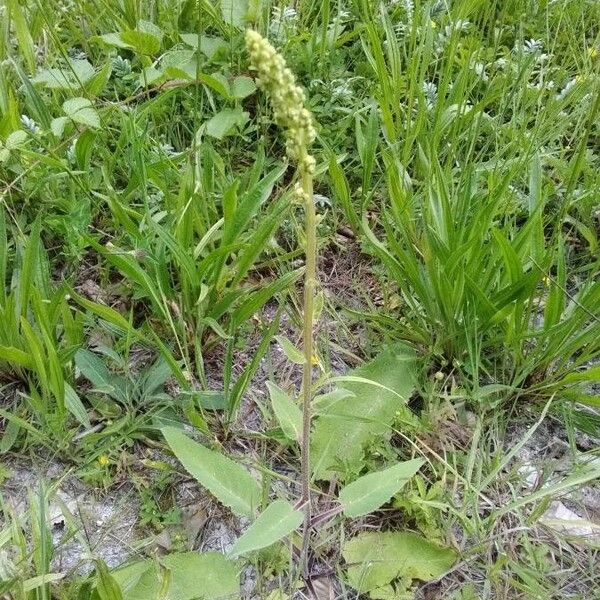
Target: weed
point(152, 246)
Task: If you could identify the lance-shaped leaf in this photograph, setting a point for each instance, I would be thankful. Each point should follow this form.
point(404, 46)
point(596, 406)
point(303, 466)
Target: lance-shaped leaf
point(277, 521)
point(228, 481)
point(371, 491)
point(288, 414)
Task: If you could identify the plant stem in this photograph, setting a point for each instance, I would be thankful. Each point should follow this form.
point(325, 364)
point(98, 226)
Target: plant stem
point(310, 282)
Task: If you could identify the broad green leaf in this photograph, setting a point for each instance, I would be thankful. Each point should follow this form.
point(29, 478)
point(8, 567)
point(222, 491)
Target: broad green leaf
point(323, 403)
point(75, 406)
point(57, 126)
point(81, 111)
point(289, 416)
point(211, 399)
point(341, 434)
point(277, 521)
point(145, 39)
point(153, 76)
point(291, 352)
point(227, 480)
point(234, 12)
point(183, 61)
point(208, 45)
point(112, 39)
point(242, 87)
point(9, 436)
point(226, 122)
point(371, 491)
point(98, 82)
point(155, 376)
point(73, 77)
point(16, 139)
point(92, 368)
point(180, 576)
point(216, 82)
point(378, 558)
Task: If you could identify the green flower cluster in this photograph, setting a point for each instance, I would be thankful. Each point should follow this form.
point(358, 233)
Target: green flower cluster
point(287, 99)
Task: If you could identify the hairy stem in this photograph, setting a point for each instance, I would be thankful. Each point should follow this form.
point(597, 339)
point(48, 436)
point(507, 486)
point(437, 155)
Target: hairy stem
point(310, 282)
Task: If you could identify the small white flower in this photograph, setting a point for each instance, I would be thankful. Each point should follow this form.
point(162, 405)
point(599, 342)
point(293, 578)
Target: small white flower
point(163, 149)
point(322, 201)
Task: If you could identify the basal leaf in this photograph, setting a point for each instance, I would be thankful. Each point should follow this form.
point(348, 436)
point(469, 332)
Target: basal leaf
point(227, 480)
point(16, 357)
point(180, 576)
point(377, 558)
point(277, 521)
point(350, 423)
point(371, 491)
